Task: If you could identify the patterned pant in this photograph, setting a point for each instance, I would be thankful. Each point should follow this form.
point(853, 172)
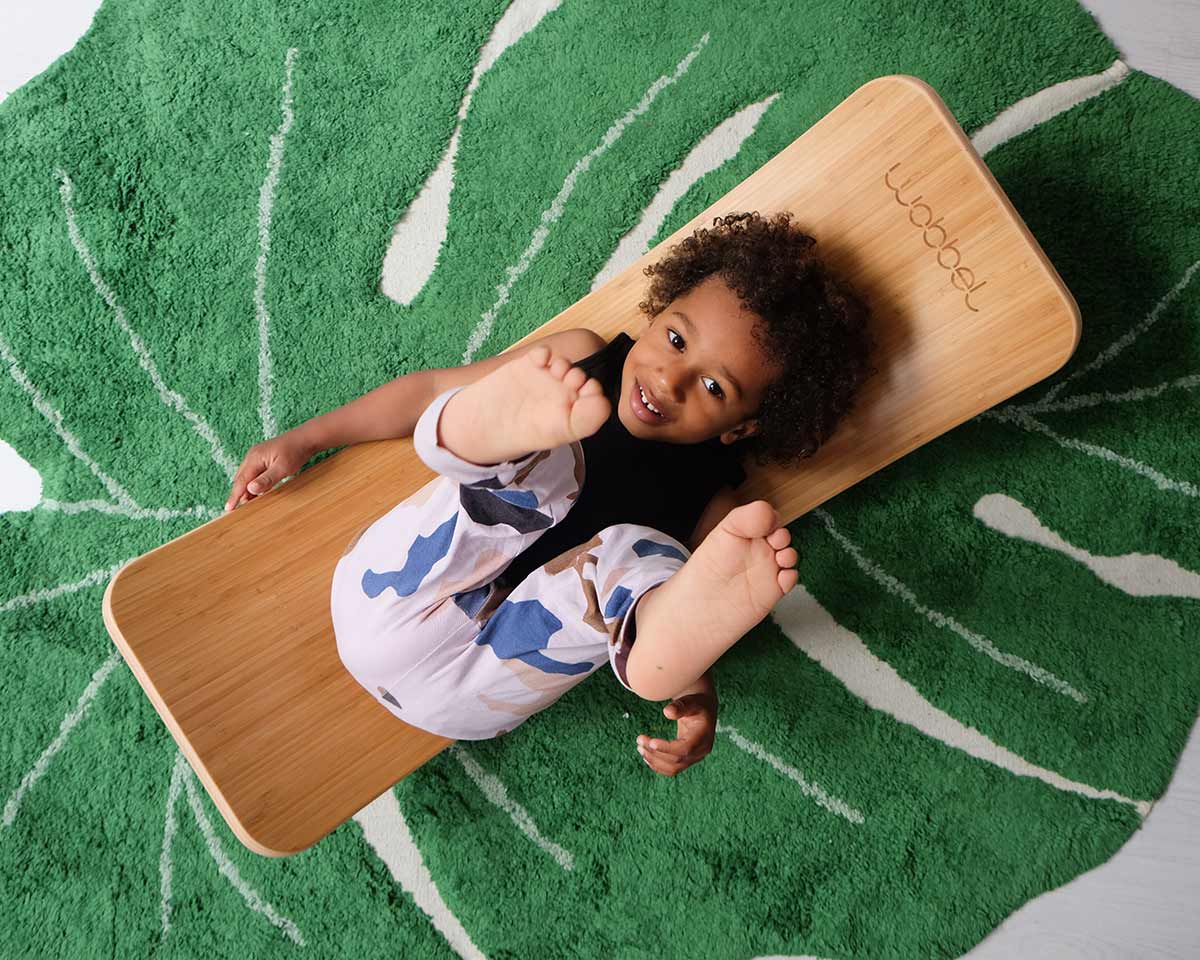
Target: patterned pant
point(421, 626)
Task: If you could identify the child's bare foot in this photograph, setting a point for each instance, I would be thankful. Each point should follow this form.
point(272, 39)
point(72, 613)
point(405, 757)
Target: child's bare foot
point(537, 401)
point(731, 581)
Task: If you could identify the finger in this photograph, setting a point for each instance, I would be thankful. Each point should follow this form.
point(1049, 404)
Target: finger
point(649, 743)
point(245, 481)
point(657, 762)
point(239, 497)
point(671, 759)
point(234, 494)
point(668, 749)
point(666, 765)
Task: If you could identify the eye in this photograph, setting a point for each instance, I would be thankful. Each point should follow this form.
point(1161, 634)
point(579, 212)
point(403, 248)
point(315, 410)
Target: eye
point(718, 392)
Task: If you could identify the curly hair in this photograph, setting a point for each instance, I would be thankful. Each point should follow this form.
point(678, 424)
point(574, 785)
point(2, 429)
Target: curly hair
point(813, 321)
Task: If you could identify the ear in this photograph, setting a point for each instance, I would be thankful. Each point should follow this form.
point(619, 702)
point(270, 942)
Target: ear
point(743, 429)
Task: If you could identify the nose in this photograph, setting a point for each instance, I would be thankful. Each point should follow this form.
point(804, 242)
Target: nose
point(668, 388)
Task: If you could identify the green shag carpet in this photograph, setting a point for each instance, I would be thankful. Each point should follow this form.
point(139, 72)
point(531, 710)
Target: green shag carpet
point(979, 687)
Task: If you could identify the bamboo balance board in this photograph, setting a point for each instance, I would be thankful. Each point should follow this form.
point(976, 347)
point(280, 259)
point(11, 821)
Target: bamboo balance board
point(966, 309)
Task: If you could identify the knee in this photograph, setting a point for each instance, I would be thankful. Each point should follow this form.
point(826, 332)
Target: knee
point(368, 662)
point(377, 650)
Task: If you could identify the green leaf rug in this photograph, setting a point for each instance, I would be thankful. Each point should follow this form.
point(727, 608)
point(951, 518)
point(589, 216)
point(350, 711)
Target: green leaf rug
point(219, 219)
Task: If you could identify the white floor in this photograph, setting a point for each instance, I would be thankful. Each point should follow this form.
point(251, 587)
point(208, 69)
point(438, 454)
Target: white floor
point(1145, 902)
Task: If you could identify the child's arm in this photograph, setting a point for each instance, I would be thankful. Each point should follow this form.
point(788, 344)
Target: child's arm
point(386, 413)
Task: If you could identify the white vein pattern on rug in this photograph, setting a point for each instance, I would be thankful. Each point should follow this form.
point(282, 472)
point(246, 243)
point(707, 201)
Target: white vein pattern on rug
point(1023, 414)
point(173, 400)
point(552, 215)
point(68, 724)
point(182, 775)
point(492, 787)
point(842, 653)
point(822, 799)
point(977, 642)
point(386, 831)
point(420, 232)
point(713, 150)
point(1135, 574)
point(1021, 117)
point(125, 503)
point(266, 202)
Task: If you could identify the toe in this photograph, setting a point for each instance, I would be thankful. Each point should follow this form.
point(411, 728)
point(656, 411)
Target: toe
point(575, 378)
point(780, 538)
point(787, 558)
point(754, 519)
point(559, 365)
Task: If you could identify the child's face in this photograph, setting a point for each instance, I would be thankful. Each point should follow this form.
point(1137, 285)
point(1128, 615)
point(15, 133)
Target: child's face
point(694, 370)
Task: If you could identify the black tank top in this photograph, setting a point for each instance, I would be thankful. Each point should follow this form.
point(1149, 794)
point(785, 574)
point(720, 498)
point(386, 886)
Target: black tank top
point(629, 480)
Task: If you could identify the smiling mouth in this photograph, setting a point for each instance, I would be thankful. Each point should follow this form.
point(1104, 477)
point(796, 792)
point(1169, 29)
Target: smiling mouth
point(645, 399)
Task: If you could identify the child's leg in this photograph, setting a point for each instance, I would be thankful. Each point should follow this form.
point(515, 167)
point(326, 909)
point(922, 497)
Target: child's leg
point(557, 626)
point(416, 583)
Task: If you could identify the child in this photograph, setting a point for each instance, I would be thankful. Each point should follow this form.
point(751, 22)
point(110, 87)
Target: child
point(572, 496)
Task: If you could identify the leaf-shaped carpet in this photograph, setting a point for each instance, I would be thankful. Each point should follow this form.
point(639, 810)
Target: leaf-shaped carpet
point(218, 220)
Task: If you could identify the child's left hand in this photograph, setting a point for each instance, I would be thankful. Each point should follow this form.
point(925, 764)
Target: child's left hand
point(695, 716)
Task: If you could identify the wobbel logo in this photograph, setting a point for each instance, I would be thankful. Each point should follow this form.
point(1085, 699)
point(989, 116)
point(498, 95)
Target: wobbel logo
point(949, 257)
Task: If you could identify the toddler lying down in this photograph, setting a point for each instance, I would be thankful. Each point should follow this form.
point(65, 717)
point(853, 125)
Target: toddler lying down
point(585, 510)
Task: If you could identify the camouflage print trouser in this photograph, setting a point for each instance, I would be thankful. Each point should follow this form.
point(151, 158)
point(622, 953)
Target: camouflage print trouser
point(421, 626)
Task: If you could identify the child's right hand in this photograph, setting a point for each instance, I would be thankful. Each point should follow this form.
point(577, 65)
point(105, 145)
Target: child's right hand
point(266, 464)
